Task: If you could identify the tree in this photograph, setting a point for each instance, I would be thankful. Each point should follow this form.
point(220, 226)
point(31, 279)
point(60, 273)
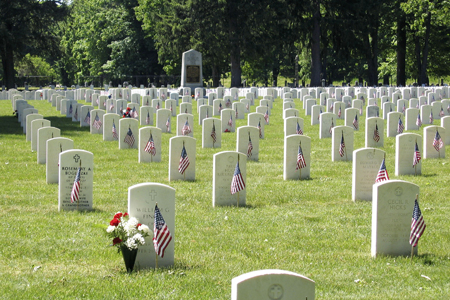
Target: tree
point(25, 25)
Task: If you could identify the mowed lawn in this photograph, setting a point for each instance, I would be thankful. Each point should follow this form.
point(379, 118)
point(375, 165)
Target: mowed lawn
point(311, 227)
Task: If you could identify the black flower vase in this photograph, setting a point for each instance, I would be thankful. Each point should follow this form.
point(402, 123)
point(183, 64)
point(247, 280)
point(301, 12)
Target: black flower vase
point(129, 256)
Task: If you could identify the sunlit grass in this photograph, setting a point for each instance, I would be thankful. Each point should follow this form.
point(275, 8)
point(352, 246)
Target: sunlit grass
point(311, 227)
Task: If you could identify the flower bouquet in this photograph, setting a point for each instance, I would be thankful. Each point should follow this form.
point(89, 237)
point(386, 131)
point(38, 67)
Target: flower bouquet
point(127, 235)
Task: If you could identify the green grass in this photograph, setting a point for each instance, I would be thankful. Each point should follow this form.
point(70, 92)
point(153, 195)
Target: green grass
point(311, 227)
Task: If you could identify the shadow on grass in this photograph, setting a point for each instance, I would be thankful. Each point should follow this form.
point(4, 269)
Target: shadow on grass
point(427, 258)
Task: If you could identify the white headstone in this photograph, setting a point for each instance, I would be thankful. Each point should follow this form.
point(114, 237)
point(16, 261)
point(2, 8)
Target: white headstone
point(44, 134)
point(272, 285)
point(291, 127)
point(248, 142)
point(395, 124)
point(69, 163)
point(374, 132)
point(54, 147)
point(142, 199)
point(327, 121)
point(182, 162)
point(31, 118)
point(211, 133)
point(433, 142)
point(225, 165)
point(342, 143)
point(366, 164)
point(35, 126)
point(228, 120)
point(146, 115)
point(149, 144)
point(405, 148)
point(111, 127)
point(128, 133)
point(164, 120)
point(392, 208)
point(297, 166)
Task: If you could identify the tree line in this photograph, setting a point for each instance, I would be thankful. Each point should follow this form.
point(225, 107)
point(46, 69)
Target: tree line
point(312, 41)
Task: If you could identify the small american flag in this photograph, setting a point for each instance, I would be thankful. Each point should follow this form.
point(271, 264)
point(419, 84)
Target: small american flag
point(150, 147)
point(331, 106)
point(114, 132)
point(376, 134)
point(437, 142)
point(404, 108)
point(134, 113)
point(331, 127)
point(111, 107)
point(339, 113)
point(247, 106)
point(418, 121)
point(441, 113)
point(76, 114)
point(168, 124)
point(355, 122)
point(70, 109)
point(88, 118)
point(228, 103)
point(260, 129)
point(250, 147)
point(320, 112)
point(237, 183)
point(213, 133)
point(417, 156)
point(184, 161)
point(431, 117)
point(220, 107)
point(266, 116)
point(129, 138)
point(147, 120)
point(382, 173)
point(198, 95)
point(236, 114)
point(75, 194)
point(400, 126)
point(97, 123)
point(342, 146)
point(360, 110)
point(186, 128)
point(299, 130)
point(157, 105)
point(161, 233)
point(230, 121)
point(448, 108)
point(417, 225)
point(171, 108)
point(300, 159)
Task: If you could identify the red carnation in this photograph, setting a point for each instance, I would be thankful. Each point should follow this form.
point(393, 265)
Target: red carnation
point(118, 215)
point(116, 241)
point(125, 214)
point(139, 224)
point(114, 222)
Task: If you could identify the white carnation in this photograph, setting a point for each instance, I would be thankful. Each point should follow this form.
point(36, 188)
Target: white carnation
point(131, 243)
point(110, 229)
point(144, 228)
point(139, 239)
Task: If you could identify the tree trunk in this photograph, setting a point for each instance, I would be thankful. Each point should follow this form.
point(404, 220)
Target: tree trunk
point(275, 72)
point(424, 63)
point(235, 49)
point(418, 57)
point(215, 76)
point(401, 49)
point(315, 46)
point(8, 65)
point(371, 49)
